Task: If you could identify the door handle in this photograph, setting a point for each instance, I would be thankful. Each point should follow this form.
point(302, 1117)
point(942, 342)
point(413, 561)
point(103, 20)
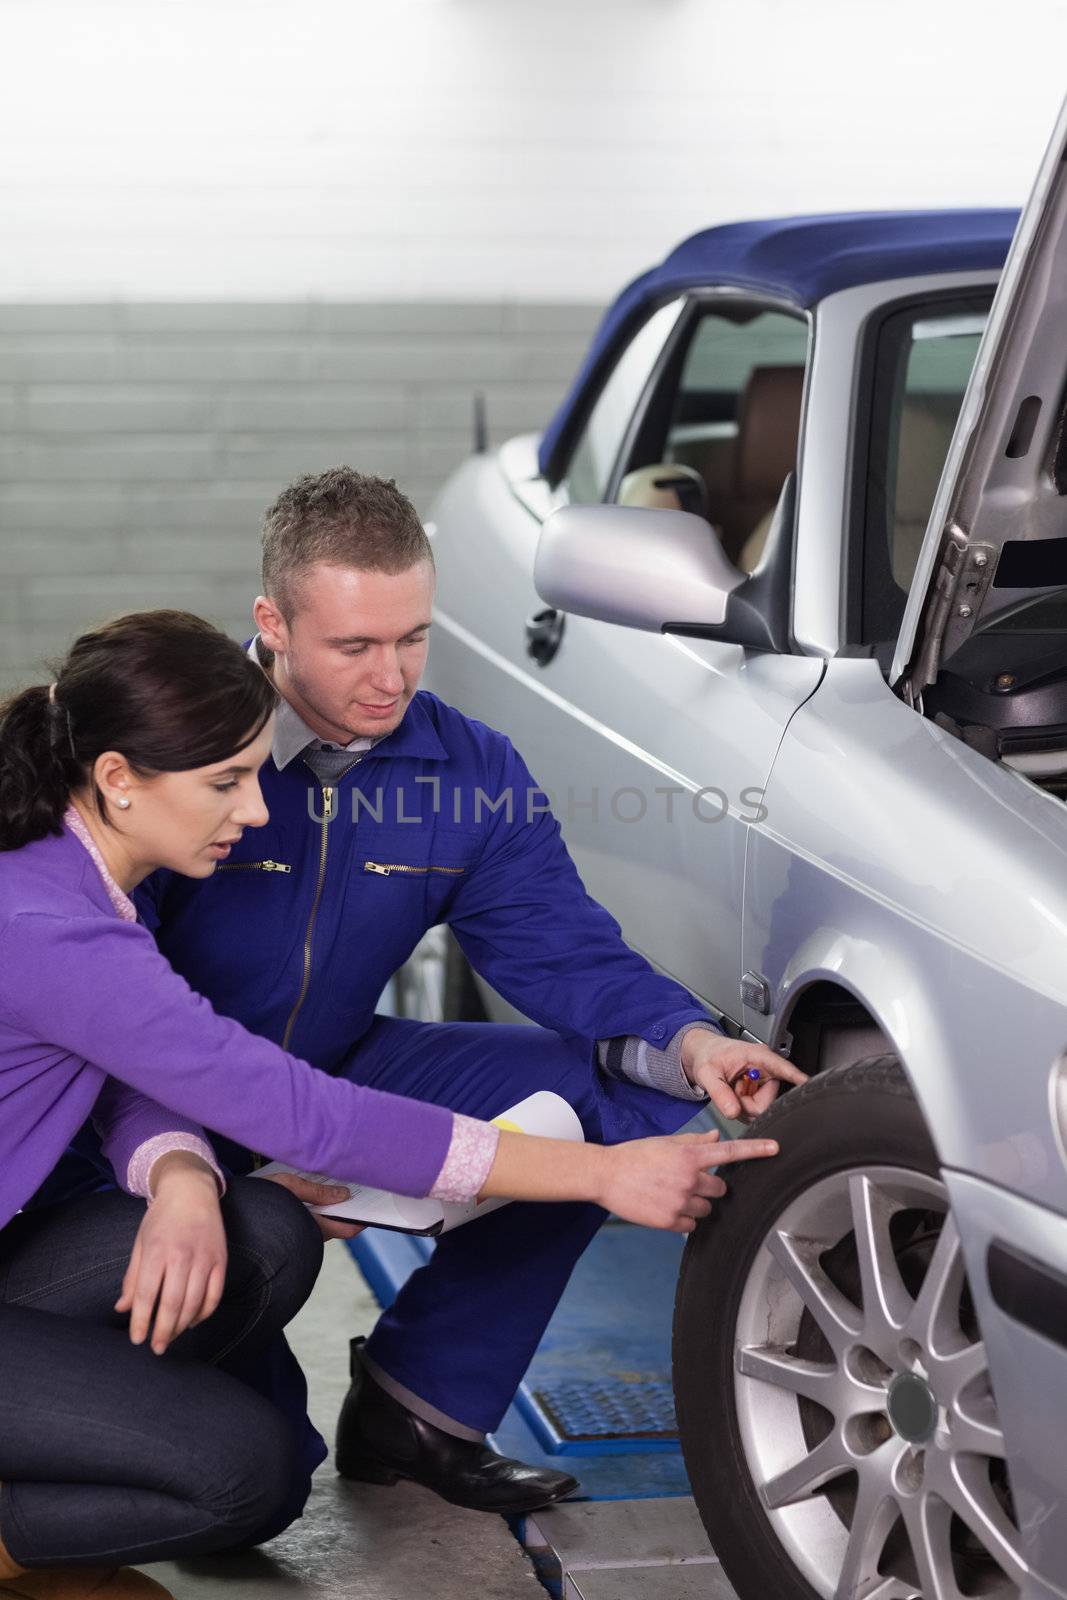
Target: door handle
point(544, 631)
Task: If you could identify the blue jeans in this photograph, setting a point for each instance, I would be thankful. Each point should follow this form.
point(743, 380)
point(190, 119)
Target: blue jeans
point(111, 1454)
point(463, 1329)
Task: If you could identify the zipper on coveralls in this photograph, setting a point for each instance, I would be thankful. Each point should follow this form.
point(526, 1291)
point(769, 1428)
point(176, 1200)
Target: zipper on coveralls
point(253, 866)
point(385, 868)
point(327, 813)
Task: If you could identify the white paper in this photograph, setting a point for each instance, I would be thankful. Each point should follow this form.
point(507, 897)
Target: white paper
point(545, 1114)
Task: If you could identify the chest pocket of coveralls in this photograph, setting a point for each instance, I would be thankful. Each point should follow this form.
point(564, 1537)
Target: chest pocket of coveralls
point(412, 874)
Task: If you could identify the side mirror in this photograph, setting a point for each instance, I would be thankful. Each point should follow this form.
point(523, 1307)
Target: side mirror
point(638, 567)
point(666, 572)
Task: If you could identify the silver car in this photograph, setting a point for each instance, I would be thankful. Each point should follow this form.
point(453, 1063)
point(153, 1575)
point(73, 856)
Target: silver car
point(776, 609)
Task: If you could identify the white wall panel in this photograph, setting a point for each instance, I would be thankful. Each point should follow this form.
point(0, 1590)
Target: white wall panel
point(528, 149)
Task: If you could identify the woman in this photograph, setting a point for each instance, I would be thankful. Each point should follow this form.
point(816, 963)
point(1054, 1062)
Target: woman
point(145, 753)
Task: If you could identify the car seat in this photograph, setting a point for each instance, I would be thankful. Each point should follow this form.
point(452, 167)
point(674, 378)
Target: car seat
point(766, 453)
point(667, 486)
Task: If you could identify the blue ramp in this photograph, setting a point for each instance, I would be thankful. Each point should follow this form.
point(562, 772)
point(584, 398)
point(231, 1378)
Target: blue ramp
point(597, 1399)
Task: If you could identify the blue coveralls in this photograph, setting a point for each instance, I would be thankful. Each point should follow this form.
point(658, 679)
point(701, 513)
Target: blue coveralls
point(298, 933)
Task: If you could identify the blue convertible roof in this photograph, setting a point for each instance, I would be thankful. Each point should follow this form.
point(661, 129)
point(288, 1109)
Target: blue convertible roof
point(800, 259)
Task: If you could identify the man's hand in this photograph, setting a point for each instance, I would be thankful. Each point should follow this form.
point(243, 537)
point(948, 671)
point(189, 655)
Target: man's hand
point(319, 1194)
point(177, 1267)
point(714, 1063)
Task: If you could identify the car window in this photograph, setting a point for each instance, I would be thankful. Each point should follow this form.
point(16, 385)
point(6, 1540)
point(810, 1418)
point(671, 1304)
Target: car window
point(727, 419)
point(589, 472)
point(923, 362)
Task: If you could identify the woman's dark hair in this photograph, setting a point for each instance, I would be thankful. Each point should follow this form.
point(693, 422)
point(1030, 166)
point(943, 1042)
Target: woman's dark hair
point(163, 688)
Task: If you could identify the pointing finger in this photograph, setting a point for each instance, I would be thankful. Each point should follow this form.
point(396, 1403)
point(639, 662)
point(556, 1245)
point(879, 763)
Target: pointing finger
point(746, 1150)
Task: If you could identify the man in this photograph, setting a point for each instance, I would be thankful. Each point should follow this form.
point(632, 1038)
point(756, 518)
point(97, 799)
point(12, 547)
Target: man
point(391, 812)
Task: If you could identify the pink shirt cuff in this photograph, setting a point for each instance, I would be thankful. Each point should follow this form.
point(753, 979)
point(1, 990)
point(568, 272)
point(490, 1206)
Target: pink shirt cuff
point(466, 1166)
point(147, 1154)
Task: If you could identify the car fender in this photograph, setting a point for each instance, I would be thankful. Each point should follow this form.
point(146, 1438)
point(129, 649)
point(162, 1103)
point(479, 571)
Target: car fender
point(930, 883)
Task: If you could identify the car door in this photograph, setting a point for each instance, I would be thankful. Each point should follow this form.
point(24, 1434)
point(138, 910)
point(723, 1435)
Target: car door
point(654, 748)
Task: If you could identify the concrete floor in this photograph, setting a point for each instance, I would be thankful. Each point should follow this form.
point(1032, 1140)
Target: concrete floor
point(357, 1541)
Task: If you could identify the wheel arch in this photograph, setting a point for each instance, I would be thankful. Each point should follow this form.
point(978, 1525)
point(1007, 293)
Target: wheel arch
point(880, 1006)
point(827, 1023)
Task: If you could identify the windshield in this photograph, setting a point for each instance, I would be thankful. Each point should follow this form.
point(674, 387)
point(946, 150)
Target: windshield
point(922, 365)
point(923, 361)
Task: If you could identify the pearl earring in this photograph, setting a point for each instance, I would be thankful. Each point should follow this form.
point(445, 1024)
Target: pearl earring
point(124, 802)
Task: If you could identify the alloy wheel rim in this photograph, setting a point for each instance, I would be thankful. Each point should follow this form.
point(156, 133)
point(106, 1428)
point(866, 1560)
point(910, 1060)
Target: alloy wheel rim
point(902, 1391)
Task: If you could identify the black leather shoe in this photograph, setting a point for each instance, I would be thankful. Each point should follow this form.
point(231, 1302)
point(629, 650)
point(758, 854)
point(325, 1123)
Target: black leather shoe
point(380, 1441)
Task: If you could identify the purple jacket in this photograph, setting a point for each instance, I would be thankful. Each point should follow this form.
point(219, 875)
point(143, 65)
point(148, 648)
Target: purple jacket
point(95, 1022)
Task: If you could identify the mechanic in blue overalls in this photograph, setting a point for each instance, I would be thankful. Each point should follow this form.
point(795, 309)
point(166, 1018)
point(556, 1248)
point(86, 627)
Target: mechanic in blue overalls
point(376, 834)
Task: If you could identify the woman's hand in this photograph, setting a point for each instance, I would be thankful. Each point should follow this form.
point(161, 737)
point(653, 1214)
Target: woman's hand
point(319, 1194)
point(664, 1182)
point(660, 1182)
point(178, 1265)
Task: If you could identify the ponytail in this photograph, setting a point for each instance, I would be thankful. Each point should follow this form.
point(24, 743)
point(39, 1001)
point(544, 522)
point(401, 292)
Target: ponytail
point(38, 769)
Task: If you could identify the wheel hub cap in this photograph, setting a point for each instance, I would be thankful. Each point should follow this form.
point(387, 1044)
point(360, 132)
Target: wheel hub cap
point(912, 1408)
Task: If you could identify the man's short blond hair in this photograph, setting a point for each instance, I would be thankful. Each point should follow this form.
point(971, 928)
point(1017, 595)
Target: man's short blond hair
point(341, 517)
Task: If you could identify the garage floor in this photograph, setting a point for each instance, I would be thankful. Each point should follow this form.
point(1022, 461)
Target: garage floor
point(359, 1542)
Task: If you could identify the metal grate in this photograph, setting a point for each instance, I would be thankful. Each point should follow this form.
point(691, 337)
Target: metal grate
point(609, 1410)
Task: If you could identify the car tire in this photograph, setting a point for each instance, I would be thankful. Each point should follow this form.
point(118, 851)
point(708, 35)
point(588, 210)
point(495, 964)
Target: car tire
point(853, 1142)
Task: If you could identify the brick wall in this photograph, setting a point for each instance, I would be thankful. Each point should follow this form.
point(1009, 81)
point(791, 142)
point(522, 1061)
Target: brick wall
point(139, 444)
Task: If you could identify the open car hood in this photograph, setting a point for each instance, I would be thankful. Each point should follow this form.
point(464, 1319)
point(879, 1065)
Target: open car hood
point(997, 536)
